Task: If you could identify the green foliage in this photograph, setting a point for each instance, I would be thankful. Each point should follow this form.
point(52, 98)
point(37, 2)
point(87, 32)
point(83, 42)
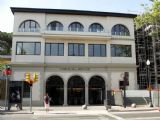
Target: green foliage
point(5, 43)
point(151, 16)
point(2, 67)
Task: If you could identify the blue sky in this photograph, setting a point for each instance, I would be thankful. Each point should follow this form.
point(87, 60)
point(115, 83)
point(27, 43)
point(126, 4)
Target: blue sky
point(123, 6)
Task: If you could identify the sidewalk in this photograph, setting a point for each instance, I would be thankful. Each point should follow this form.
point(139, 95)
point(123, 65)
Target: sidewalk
point(70, 110)
point(130, 109)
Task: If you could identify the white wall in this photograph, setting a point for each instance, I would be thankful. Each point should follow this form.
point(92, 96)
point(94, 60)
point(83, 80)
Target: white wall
point(112, 82)
point(66, 20)
point(117, 76)
point(66, 37)
point(71, 59)
point(45, 19)
point(27, 58)
point(137, 93)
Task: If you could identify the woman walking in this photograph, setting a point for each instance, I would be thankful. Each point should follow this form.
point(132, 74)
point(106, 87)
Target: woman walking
point(46, 102)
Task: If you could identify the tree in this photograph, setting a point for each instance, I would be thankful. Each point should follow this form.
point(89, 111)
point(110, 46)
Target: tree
point(151, 16)
point(5, 43)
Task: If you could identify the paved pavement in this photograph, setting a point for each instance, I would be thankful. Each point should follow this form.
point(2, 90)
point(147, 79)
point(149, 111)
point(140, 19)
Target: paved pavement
point(77, 113)
point(76, 109)
point(138, 115)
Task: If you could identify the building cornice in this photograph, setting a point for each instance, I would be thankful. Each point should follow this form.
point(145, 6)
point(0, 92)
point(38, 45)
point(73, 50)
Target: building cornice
point(27, 34)
point(76, 65)
point(71, 12)
point(122, 38)
point(76, 35)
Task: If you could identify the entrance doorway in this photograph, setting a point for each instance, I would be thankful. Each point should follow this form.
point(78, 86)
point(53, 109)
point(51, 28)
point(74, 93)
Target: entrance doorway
point(76, 91)
point(55, 89)
point(96, 90)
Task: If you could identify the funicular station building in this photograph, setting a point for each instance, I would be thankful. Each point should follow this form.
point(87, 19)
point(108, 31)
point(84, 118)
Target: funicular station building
point(79, 55)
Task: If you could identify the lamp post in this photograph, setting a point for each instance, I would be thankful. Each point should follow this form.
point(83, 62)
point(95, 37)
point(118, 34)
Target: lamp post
point(149, 83)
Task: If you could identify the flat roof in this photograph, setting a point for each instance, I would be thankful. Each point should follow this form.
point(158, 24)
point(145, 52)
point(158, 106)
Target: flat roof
point(71, 12)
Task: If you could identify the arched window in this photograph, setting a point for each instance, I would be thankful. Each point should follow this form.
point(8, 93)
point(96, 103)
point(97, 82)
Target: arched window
point(120, 30)
point(57, 26)
point(29, 26)
point(96, 27)
point(76, 26)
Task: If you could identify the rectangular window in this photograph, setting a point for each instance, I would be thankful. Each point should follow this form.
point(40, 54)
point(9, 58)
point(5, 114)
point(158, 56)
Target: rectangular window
point(48, 49)
point(19, 49)
point(76, 49)
point(121, 50)
point(54, 49)
point(97, 50)
point(28, 48)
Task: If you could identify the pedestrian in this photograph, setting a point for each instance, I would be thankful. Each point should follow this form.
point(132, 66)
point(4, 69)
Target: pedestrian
point(18, 100)
point(46, 102)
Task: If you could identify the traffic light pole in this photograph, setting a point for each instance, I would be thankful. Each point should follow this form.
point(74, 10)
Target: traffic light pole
point(30, 98)
point(6, 95)
point(126, 78)
point(124, 104)
point(31, 81)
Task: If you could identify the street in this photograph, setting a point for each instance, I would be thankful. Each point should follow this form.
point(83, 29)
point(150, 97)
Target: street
point(139, 115)
point(136, 115)
point(55, 117)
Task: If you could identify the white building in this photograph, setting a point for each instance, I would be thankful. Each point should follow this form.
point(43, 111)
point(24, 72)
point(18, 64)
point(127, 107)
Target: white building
point(79, 55)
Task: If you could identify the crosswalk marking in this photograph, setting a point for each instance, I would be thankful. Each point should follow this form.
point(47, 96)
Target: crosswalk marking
point(145, 118)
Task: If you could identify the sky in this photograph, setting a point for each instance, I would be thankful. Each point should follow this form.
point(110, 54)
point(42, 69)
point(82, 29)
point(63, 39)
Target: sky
point(122, 6)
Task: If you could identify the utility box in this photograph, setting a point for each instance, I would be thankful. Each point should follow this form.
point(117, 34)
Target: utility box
point(118, 97)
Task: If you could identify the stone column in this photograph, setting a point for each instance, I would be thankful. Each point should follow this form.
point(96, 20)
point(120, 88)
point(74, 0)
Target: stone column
point(109, 82)
point(86, 94)
point(65, 95)
point(108, 86)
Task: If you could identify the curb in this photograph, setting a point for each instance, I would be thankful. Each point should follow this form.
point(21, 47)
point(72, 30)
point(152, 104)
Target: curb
point(15, 112)
point(131, 110)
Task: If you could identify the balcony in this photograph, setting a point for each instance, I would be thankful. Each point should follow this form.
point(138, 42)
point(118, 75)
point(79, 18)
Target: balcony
point(76, 35)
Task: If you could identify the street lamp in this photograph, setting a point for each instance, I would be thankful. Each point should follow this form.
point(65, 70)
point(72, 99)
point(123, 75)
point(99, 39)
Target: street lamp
point(149, 83)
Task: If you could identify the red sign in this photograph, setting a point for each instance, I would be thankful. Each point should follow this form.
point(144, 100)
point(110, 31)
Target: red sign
point(7, 72)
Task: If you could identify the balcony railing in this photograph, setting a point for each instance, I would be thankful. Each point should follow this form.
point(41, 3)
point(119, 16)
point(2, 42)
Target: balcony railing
point(28, 30)
point(76, 35)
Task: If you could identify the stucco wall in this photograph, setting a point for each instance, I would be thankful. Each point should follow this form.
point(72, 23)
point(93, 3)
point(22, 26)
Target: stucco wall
point(44, 19)
point(111, 75)
point(111, 80)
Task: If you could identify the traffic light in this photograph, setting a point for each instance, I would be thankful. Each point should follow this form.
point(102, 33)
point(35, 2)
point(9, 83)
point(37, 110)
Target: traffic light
point(126, 76)
point(35, 77)
point(7, 71)
point(27, 77)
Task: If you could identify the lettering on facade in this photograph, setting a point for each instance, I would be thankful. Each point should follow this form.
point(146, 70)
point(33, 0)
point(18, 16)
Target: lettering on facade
point(73, 68)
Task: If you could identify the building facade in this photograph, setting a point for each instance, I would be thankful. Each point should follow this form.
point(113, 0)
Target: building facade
point(79, 55)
